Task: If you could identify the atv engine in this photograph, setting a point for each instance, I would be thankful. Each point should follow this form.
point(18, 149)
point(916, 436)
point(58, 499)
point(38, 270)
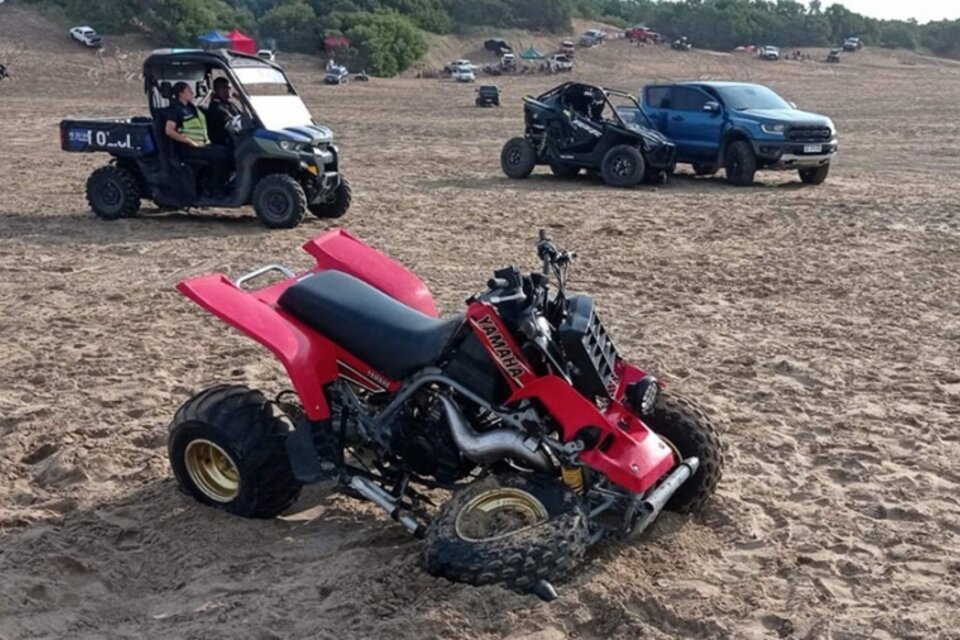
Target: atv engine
point(422, 438)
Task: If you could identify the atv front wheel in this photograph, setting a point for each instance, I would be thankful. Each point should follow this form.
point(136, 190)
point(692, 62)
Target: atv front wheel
point(740, 163)
point(564, 170)
point(513, 529)
point(227, 448)
point(691, 432)
point(335, 208)
point(816, 175)
point(518, 158)
point(113, 192)
point(279, 201)
point(623, 166)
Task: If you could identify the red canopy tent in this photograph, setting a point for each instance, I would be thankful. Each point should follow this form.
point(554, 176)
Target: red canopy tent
point(242, 42)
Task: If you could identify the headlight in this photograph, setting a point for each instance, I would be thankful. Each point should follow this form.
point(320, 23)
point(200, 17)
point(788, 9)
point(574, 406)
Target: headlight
point(290, 145)
point(642, 395)
point(778, 127)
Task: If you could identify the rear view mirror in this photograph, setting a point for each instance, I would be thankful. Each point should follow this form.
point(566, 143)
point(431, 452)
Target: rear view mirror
point(711, 107)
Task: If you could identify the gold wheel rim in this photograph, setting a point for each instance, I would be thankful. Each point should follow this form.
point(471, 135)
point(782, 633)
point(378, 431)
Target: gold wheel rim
point(212, 470)
point(491, 506)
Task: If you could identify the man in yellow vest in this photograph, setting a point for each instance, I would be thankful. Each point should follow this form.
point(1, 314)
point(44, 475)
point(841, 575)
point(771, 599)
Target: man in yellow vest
point(187, 127)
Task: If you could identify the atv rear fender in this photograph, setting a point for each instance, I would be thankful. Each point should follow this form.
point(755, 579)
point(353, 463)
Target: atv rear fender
point(311, 360)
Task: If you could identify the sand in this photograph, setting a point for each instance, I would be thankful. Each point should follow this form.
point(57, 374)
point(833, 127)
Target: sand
point(819, 326)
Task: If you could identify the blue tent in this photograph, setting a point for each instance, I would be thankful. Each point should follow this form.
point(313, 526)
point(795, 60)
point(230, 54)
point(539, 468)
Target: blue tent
point(215, 39)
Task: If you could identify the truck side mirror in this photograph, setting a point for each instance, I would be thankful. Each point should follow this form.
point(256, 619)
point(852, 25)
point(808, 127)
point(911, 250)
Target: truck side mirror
point(711, 107)
point(793, 105)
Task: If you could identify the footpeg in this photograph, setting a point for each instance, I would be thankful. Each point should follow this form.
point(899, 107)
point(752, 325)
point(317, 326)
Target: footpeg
point(304, 461)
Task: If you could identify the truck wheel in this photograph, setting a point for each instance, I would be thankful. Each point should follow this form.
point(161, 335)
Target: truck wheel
point(817, 175)
point(691, 432)
point(518, 158)
point(227, 448)
point(279, 201)
point(511, 529)
point(623, 166)
point(564, 170)
point(113, 193)
point(740, 163)
point(335, 208)
point(705, 169)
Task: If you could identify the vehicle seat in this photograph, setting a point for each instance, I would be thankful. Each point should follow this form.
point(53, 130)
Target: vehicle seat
point(383, 332)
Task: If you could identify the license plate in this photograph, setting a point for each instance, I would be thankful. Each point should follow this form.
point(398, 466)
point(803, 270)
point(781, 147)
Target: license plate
point(812, 148)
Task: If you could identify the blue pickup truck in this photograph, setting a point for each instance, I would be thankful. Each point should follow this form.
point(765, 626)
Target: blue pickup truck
point(742, 128)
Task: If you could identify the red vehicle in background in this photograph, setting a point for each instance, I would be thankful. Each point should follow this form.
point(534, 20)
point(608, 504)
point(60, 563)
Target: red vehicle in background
point(643, 34)
point(521, 406)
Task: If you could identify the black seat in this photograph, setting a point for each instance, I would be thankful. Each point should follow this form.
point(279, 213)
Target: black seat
point(386, 334)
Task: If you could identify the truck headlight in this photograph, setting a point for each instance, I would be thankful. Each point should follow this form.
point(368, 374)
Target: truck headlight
point(290, 145)
point(774, 128)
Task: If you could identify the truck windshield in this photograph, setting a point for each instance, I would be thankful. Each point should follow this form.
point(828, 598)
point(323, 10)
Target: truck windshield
point(273, 98)
point(748, 96)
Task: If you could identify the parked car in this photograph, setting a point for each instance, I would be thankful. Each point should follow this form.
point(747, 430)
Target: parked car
point(643, 34)
point(463, 74)
point(852, 44)
point(336, 75)
point(567, 47)
point(769, 53)
point(458, 64)
point(559, 62)
point(741, 127)
point(833, 56)
point(578, 126)
point(681, 44)
point(86, 36)
point(266, 54)
point(508, 62)
point(592, 37)
point(498, 46)
point(488, 95)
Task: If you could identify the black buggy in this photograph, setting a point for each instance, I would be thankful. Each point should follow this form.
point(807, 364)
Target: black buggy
point(578, 126)
point(283, 163)
point(488, 95)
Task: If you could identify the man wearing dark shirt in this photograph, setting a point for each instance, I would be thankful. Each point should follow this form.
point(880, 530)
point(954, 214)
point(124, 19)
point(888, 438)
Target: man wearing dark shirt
point(222, 110)
point(187, 127)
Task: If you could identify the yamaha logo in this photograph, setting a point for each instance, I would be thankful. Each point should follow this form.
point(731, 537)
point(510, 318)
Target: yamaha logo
point(502, 352)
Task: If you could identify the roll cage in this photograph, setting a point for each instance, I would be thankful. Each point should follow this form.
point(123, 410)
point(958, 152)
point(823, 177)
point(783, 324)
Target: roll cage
point(573, 93)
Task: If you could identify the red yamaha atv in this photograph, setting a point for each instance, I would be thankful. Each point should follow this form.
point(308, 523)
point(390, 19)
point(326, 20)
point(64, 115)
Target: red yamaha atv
point(521, 406)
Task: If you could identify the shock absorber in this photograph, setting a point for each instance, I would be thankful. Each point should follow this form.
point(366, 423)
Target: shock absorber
point(573, 478)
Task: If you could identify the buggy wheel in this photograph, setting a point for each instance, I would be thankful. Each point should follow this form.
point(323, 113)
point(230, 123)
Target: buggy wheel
point(816, 175)
point(113, 192)
point(740, 163)
point(227, 448)
point(687, 427)
point(512, 529)
point(564, 170)
point(623, 166)
point(335, 208)
point(518, 158)
point(279, 201)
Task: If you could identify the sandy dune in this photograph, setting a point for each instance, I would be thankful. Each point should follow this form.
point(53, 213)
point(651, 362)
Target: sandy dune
point(819, 325)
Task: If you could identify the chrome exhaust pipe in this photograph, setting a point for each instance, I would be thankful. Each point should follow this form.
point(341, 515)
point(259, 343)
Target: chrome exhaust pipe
point(494, 445)
point(378, 496)
point(651, 505)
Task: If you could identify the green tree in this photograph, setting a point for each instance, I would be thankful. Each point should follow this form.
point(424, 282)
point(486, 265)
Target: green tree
point(293, 26)
point(388, 42)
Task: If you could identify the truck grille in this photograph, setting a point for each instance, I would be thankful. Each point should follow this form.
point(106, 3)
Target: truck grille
point(814, 133)
point(588, 348)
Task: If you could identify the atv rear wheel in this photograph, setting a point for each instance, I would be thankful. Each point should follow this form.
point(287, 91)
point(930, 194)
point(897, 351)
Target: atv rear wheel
point(279, 201)
point(740, 163)
point(705, 169)
point(227, 448)
point(691, 432)
point(113, 192)
point(512, 529)
point(816, 175)
point(623, 166)
point(564, 170)
point(335, 208)
point(518, 158)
